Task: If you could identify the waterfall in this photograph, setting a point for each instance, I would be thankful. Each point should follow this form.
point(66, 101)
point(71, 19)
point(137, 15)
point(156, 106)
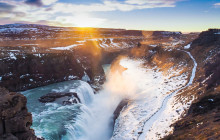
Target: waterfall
point(84, 92)
point(92, 119)
point(96, 120)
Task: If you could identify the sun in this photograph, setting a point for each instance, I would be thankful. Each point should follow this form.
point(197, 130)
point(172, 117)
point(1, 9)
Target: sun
point(80, 20)
point(87, 21)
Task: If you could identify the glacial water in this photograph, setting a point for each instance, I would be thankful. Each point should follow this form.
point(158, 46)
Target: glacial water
point(54, 121)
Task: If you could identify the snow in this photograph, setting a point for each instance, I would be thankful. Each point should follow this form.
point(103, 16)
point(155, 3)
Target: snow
point(153, 45)
point(17, 30)
point(38, 55)
point(152, 89)
point(65, 48)
point(112, 45)
point(217, 33)
point(83, 41)
point(187, 46)
point(71, 77)
point(170, 111)
point(22, 76)
point(12, 56)
point(14, 50)
point(150, 115)
point(170, 33)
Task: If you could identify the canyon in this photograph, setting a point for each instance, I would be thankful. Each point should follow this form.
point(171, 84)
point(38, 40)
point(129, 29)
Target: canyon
point(100, 83)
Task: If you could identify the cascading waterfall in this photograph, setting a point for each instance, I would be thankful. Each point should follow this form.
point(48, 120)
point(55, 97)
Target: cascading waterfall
point(119, 85)
point(54, 121)
point(92, 119)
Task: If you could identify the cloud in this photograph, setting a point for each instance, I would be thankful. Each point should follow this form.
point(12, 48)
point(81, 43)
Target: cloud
point(49, 2)
point(108, 5)
point(5, 8)
point(141, 2)
point(83, 20)
point(72, 14)
point(217, 5)
point(34, 2)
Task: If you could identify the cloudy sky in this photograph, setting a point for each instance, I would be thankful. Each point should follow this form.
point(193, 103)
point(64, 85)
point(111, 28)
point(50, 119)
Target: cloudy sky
point(172, 15)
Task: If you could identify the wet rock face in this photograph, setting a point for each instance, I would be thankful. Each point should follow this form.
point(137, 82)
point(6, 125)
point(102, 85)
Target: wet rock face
point(65, 98)
point(15, 120)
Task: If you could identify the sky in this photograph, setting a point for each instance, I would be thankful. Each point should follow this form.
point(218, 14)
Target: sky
point(169, 15)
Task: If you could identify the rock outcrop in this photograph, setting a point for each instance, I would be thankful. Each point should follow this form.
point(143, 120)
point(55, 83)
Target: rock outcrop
point(15, 120)
point(119, 108)
point(64, 98)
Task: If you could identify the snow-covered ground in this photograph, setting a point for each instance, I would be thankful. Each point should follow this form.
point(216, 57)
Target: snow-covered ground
point(105, 43)
point(65, 48)
point(187, 46)
point(171, 110)
point(154, 109)
point(17, 30)
point(153, 87)
point(68, 47)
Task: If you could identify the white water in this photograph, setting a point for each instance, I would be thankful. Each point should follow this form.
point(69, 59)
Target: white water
point(99, 124)
point(149, 123)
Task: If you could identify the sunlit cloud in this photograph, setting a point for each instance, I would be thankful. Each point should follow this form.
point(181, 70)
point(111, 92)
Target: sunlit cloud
point(80, 20)
point(141, 2)
point(70, 14)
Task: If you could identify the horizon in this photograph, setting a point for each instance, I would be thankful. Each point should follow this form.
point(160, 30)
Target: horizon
point(102, 27)
point(147, 15)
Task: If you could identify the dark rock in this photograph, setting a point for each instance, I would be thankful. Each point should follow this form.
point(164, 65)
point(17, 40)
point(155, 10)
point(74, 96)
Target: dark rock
point(8, 136)
point(33, 71)
point(205, 104)
point(15, 120)
point(64, 98)
point(30, 70)
point(119, 108)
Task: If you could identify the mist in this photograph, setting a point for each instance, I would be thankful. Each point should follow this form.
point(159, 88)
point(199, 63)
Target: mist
point(122, 82)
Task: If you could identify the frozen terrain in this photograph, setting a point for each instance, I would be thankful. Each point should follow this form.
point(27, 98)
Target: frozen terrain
point(150, 116)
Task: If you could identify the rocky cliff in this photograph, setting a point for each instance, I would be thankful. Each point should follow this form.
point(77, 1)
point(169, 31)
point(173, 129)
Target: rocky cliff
point(15, 120)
